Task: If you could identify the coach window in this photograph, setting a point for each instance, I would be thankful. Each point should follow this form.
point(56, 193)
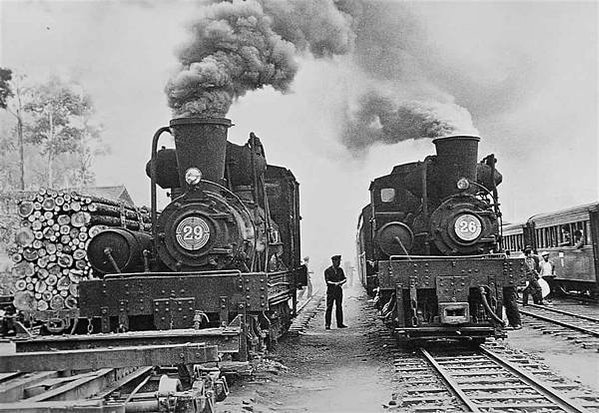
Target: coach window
point(520, 242)
point(388, 194)
point(542, 238)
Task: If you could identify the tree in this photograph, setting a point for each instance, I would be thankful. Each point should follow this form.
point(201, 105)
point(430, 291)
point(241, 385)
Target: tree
point(5, 87)
point(55, 129)
point(60, 122)
point(12, 87)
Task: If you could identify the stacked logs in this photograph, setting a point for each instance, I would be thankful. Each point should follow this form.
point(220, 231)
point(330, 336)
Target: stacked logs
point(49, 252)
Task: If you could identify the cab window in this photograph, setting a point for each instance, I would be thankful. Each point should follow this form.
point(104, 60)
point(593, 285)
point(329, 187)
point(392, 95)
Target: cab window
point(387, 194)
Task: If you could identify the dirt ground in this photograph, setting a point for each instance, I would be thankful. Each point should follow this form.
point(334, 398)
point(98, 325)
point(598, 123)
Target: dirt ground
point(563, 356)
point(332, 371)
point(349, 370)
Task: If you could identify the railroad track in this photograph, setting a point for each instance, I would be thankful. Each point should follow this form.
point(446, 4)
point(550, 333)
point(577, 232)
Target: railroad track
point(580, 328)
point(122, 389)
point(490, 378)
point(306, 310)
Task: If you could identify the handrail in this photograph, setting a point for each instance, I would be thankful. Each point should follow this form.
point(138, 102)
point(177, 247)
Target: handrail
point(447, 257)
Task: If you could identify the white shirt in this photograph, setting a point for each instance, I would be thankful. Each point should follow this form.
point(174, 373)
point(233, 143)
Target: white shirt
point(546, 268)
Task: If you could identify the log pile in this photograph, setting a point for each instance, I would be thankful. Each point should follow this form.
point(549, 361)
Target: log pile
point(49, 248)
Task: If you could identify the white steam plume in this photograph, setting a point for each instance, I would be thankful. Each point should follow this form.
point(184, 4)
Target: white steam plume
point(381, 119)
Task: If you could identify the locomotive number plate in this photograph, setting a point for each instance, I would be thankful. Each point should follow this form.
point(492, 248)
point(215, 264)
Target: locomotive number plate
point(192, 233)
point(468, 227)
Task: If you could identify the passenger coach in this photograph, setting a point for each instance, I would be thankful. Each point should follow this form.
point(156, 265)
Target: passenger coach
point(571, 238)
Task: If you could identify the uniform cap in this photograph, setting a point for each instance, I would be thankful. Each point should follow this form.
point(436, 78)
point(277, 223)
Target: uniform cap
point(336, 257)
point(528, 248)
point(545, 254)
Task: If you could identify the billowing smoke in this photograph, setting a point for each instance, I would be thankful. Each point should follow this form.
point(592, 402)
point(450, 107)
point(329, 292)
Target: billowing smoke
point(241, 46)
point(238, 46)
point(381, 119)
point(392, 52)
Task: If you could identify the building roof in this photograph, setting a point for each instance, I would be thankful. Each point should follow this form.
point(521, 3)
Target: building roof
point(118, 192)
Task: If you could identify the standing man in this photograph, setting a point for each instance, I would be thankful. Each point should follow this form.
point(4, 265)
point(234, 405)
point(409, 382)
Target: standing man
point(532, 275)
point(309, 279)
point(547, 271)
point(335, 278)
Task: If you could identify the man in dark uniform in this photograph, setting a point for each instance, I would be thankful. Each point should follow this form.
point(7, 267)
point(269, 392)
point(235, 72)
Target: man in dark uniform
point(532, 275)
point(334, 278)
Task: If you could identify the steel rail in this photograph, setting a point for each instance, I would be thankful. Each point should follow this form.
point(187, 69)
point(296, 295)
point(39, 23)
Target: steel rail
point(561, 323)
point(543, 388)
point(305, 303)
point(454, 385)
point(555, 310)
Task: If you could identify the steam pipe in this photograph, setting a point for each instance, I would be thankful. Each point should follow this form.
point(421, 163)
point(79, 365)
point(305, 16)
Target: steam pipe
point(108, 253)
point(488, 309)
point(256, 205)
point(495, 193)
point(267, 219)
point(427, 160)
point(153, 170)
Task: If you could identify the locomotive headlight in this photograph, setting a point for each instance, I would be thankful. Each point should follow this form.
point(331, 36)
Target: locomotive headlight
point(463, 184)
point(193, 176)
point(468, 227)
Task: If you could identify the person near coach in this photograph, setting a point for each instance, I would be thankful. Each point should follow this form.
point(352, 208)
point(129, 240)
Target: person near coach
point(510, 303)
point(334, 278)
point(547, 270)
point(532, 275)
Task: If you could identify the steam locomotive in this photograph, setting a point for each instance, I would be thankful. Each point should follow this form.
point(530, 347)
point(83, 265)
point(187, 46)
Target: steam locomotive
point(221, 264)
point(429, 246)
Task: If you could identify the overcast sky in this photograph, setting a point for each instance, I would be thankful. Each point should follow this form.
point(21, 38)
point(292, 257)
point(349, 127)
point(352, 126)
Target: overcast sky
point(526, 72)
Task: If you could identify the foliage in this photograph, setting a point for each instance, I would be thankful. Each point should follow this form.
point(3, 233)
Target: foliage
point(5, 87)
point(60, 136)
point(55, 109)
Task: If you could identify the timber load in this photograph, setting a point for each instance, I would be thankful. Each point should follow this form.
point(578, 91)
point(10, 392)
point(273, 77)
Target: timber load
point(48, 247)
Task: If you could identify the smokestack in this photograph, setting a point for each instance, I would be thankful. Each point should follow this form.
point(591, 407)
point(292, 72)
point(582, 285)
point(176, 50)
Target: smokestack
point(201, 143)
point(456, 158)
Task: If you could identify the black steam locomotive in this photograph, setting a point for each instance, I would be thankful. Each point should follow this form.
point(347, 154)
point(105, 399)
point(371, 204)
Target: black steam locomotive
point(429, 246)
point(216, 276)
point(223, 255)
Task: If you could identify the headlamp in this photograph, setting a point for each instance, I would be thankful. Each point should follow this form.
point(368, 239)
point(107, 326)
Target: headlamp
point(463, 184)
point(193, 176)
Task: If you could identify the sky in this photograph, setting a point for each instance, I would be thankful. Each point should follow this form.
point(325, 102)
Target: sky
point(525, 71)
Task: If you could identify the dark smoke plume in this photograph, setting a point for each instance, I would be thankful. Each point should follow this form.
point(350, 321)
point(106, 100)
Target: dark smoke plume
point(240, 46)
point(380, 119)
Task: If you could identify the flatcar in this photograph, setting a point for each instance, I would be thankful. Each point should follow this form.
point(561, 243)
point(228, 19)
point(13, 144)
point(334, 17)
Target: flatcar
point(429, 246)
point(571, 238)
